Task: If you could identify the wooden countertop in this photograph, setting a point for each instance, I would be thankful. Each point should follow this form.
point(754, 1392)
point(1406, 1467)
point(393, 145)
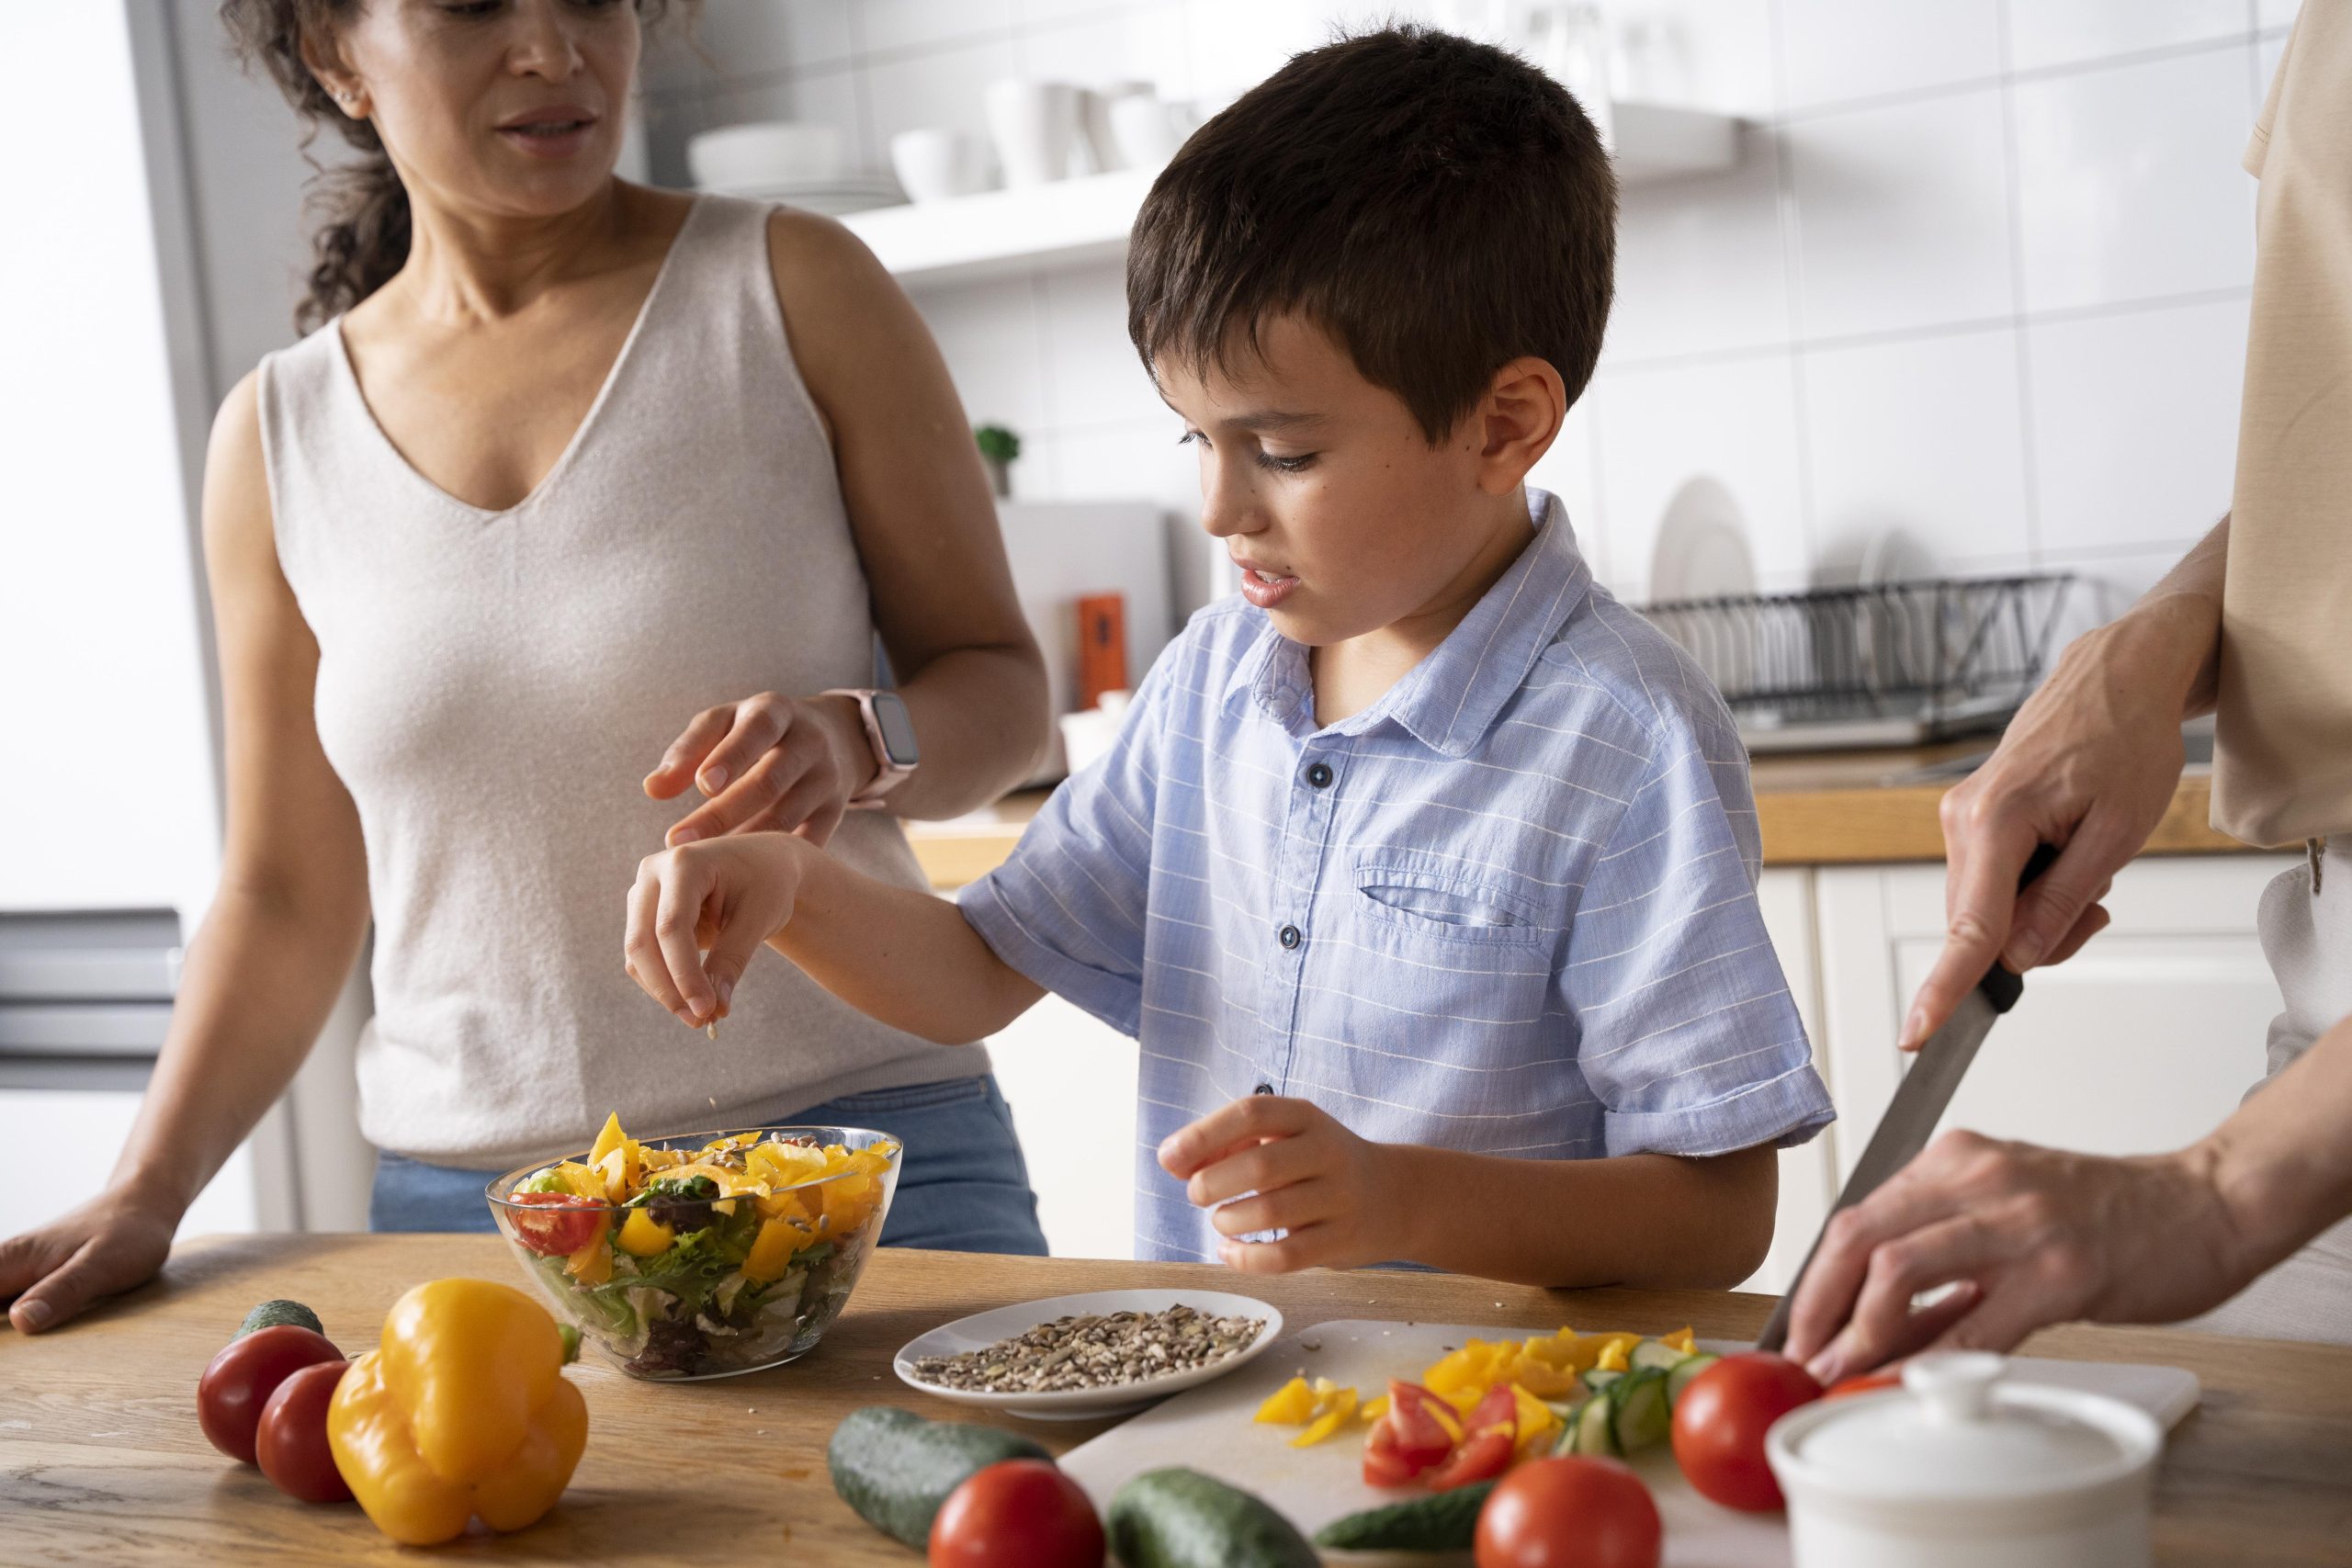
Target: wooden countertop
point(102, 1465)
point(1821, 808)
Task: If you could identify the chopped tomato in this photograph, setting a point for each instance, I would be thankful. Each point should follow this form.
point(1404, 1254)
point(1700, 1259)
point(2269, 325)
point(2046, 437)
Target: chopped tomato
point(1867, 1382)
point(1383, 1465)
point(1489, 1440)
point(1414, 1431)
point(553, 1223)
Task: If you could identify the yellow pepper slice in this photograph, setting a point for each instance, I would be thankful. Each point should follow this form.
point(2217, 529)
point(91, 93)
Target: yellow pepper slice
point(773, 1250)
point(610, 1138)
point(592, 1264)
point(1292, 1404)
point(1373, 1409)
point(1341, 1404)
point(1537, 1420)
point(1681, 1339)
point(642, 1235)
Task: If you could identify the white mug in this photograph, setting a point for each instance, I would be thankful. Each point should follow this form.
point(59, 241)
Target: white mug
point(1095, 112)
point(939, 165)
point(1033, 124)
point(1146, 131)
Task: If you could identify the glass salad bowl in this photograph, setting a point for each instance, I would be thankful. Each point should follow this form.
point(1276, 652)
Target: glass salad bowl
point(704, 1255)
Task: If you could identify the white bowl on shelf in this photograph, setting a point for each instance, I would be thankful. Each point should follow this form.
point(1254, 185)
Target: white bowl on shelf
point(939, 165)
point(765, 152)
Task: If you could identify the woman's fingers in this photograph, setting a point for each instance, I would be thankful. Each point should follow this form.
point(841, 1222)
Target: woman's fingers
point(818, 826)
point(2095, 921)
point(1881, 1327)
point(761, 723)
point(757, 798)
point(1983, 884)
point(677, 769)
point(685, 883)
point(1922, 1193)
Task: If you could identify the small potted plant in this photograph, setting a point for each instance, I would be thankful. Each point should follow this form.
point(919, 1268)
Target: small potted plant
point(999, 447)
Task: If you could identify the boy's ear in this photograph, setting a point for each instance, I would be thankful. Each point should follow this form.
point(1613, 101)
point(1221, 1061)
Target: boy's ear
point(1517, 421)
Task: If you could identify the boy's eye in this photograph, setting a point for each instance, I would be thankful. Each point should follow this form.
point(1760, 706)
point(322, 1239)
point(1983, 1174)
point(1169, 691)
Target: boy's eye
point(1273, 464)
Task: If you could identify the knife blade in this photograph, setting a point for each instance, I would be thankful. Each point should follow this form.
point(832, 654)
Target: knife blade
point(1919, 1100)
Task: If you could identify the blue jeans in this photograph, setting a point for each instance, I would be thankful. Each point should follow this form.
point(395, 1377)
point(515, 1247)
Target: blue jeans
point(962, 1188)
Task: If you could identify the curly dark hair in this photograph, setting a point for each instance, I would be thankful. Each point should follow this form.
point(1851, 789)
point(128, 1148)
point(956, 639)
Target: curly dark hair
point(364, 238)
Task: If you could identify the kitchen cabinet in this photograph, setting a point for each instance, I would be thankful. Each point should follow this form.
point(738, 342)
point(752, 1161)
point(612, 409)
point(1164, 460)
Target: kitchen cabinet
point(2142, 1041)
point(64, 1142)
point(1070, 1079)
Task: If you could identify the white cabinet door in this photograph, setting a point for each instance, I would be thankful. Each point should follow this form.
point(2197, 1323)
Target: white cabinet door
point(1070, 1079)
point(2142, 1041)
point(63, 1142)
point(1808, 1172)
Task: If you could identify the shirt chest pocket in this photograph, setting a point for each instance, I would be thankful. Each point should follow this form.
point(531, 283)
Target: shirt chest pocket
point(1442, 959)
point(1422, 896)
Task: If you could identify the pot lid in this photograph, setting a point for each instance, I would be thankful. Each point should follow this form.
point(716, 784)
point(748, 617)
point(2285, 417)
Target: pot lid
point(1955, 1430)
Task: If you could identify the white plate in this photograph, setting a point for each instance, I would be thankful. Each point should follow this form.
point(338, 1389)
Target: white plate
point(984, 1329)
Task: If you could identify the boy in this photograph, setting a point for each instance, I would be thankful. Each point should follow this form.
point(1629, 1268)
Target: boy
point(1423, 870)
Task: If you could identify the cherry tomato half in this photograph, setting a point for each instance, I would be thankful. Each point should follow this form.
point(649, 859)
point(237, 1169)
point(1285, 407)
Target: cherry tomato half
point(234, 1388)
point(1720, 1422)
point(554, 1222)
point(1576, 1512)
point(1017, 1512)
point(1488, 1437)
point(291, 1445)
point(1409, 1439)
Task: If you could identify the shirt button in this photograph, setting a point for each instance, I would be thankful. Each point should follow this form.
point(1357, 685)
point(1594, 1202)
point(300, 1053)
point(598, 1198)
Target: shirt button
point(1264, 1088)
point(1288, 936)
point(1319, 775)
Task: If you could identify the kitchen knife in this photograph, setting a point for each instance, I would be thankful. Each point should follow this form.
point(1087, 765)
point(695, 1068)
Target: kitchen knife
point(1920, 1100)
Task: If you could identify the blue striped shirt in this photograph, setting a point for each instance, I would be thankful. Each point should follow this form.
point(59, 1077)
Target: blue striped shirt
point(1509, 907)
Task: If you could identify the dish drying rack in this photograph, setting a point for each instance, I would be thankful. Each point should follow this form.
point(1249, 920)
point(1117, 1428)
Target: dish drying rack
point(1879, 664)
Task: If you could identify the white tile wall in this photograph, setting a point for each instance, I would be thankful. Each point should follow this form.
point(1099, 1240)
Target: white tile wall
point(1980, 279)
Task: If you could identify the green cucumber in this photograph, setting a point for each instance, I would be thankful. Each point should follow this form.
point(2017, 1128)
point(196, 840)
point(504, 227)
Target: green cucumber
point(1642, 1416)
point(1443, 1522)
point(1594, 1431)
point(1180, 1518)
point(896, 1469)
point(1658, 1354)
point(278, 1314)
point(1598, 1379)
point(1679, 1378)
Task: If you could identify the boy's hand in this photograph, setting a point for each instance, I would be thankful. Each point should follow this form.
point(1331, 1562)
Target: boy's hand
point(1310, 1175)
point(726, 894)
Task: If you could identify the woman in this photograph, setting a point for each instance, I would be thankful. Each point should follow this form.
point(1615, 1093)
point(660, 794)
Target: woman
point(567, 461)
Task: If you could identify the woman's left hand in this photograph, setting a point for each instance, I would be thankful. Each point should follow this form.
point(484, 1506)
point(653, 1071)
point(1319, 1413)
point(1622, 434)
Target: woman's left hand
point(768, 763)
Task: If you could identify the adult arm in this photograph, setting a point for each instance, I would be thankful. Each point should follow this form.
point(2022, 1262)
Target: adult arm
point(2089, 765)
point(2036, 1237)
point(264, 967)
point(926, 529)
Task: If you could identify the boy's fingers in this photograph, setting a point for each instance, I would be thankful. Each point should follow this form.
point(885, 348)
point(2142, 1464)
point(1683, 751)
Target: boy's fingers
point(1300, 1249)
point(644, 959)
point(1234, 1125)
point(677, 769)
point(1258, 1167)
point(1300, 1204)
point(684, 885)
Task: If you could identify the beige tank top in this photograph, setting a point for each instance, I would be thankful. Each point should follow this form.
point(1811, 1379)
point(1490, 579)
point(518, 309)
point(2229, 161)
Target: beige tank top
point(492, 685)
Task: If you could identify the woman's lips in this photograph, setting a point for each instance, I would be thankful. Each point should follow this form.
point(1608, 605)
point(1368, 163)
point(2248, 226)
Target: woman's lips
point(1265, 589)
point(551, 138)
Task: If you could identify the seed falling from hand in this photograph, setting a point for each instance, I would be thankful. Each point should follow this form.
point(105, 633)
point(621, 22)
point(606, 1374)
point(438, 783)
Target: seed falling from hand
point(710, 1030)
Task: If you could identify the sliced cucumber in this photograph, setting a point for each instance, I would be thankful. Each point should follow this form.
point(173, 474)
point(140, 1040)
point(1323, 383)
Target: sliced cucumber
point(1684, 1370)
point(1597, 1379)
point(1594, 1431)
point(1642, 1414)
point(1657, 1353)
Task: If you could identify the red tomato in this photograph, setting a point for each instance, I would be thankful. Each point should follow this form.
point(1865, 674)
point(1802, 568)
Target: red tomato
point(554, 1222)
point(1488, 1438)
point(1408, 1438)
point(1569, 1513)
point(292, 1443)
point(1869, 1383)
point(1017, 1512)
point(1720, 1422)
point(230, 1396)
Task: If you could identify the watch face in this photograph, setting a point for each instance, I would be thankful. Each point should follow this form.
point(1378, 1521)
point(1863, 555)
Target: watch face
point(897, 730)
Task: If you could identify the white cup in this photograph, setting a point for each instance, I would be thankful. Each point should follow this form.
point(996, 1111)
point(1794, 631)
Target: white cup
point(1094, 113)
point(1033, 124)
point(768, 152)
point(1146, 130)
point(939, 165)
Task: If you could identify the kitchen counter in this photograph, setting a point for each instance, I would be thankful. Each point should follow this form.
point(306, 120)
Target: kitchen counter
point(1823, 808)
point(102, 1465)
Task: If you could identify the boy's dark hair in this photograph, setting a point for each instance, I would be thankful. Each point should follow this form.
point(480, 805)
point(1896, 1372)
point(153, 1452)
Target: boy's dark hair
point(1438, 206)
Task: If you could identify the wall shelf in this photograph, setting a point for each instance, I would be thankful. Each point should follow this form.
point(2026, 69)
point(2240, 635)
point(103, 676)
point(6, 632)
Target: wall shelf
point(1075, 221)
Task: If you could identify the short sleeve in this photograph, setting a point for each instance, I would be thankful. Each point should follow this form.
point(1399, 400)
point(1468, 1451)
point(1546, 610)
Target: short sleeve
point(1067, 908)
point(1686, 1032)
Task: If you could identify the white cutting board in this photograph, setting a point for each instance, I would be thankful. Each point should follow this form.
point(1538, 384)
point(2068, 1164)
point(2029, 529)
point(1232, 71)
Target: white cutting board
point(1209, 1430)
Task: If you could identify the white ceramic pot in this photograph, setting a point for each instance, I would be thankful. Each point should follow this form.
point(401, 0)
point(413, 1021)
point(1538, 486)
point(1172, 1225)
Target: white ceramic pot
point(1146, 130)
point(1958, 1469)
point(1034, 125)
point(770, 153)
point(939, 165)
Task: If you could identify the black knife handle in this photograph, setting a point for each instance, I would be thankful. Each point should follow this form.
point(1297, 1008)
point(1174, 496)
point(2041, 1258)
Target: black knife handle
point(2003, 985)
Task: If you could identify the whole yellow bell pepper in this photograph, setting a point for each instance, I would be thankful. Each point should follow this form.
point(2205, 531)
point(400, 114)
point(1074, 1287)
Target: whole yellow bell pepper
point(461, 1410)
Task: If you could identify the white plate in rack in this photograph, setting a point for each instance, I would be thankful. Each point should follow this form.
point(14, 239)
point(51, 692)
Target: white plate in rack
point(983, 1329)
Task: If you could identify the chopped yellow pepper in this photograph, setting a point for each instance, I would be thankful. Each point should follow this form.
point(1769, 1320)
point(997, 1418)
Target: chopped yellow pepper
point(592, 1264)
point(1612, 1357)
point(773, 1250)
point(1330, 1418)
point(1292, 1404)
point(607, 1140)
point(643, 1235)
point(461, 1410)
point(1536, 1420)
point(1681, 1339)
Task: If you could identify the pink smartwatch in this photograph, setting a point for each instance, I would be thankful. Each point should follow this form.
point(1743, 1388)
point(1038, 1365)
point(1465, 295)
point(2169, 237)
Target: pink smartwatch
point(891, 732)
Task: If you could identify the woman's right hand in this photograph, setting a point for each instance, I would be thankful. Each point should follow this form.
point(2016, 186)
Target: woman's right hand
point(114, 1242)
